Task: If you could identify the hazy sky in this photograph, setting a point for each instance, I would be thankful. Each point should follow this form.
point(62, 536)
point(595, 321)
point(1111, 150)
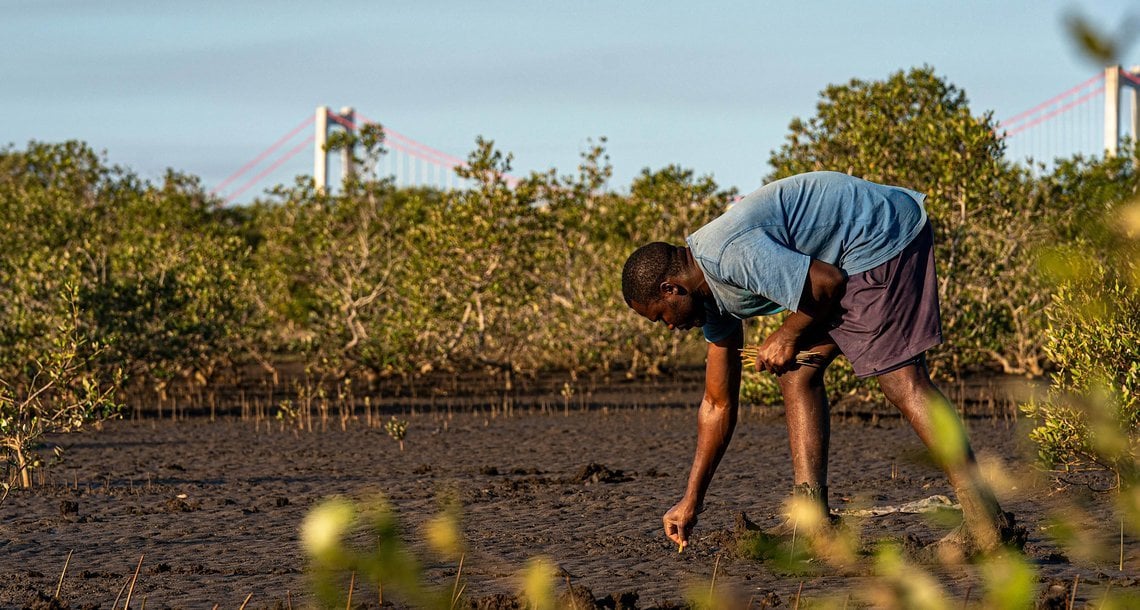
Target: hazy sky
point(204, 86)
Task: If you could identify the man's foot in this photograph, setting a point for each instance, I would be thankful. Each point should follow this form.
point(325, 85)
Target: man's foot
point(796, 545)
point(808, 521)
point(960, 545)
point(953, 548)
point(808, 513)
point(792, 527)
point(990, 528)
point(754, 542)
point(1013, 536)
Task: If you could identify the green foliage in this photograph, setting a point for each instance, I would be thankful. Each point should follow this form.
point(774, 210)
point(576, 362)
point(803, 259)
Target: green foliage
point(485, 252)
point(377, 282)
point(49, 380)
point(329, 278)
point(404, 282)
point(49, 197)
point(1092, 414)
point(166, 294)
point(62, 392)
point(155, 268)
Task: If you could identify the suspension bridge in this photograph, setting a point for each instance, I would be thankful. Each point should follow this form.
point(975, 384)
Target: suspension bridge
point(1083, 119)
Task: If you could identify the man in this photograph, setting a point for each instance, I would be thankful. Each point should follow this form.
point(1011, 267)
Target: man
point(853, 262)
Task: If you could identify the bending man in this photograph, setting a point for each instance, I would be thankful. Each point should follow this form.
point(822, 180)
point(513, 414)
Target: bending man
point(854, 263)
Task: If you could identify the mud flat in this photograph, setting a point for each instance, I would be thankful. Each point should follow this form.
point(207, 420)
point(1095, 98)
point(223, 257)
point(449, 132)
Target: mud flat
point(213, 508)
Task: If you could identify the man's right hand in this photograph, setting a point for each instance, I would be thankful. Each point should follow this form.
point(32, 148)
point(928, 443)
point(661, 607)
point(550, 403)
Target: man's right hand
point(679, 522)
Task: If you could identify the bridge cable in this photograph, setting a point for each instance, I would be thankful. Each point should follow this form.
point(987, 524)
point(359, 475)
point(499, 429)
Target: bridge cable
point(288, 155)
point(261, 157)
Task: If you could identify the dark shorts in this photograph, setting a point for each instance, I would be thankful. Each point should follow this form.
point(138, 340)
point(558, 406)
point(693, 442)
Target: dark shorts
point(889, 315)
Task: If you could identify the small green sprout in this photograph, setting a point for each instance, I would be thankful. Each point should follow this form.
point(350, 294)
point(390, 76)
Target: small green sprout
point(397, 429)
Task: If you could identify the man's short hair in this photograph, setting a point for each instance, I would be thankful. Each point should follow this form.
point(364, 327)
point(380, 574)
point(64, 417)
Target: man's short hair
point(646, 269)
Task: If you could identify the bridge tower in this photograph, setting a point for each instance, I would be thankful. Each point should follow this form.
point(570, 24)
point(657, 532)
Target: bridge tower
point(346, 118)
point(1113, 81)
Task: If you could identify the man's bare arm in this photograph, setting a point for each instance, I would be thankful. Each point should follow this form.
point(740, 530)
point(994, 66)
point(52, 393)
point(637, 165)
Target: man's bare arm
point(823, 289)
point(716, 421)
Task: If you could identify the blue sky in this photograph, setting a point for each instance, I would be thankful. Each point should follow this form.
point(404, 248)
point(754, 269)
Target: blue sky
point(205, 86)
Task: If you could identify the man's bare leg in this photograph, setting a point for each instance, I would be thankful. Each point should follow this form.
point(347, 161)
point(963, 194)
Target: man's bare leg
point(808, 419)
point(910, 389)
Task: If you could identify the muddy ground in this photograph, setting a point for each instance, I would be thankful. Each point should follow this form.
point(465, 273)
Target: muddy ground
point(213, 507)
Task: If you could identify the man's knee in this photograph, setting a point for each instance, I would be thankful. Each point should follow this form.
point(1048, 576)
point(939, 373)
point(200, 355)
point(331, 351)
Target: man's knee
point(907, 380)
point(799, 380)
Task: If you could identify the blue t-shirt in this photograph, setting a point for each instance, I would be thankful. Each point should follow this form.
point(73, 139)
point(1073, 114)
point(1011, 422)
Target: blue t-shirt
point(755, 256)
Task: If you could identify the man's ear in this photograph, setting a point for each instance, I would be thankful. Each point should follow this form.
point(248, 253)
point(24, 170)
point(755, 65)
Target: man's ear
point(673, 289)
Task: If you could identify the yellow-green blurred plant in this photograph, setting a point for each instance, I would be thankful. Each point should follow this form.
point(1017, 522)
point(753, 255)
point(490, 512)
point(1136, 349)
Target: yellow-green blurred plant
point(443, 531)
point(902, 585)
point(1090, 419)
point(538, 584)
point(707, 596)
point(1068, 526)
point(341, 537)
point(346, 540)
point(1010, 580)
point(1091, 416)
point(807, 540)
